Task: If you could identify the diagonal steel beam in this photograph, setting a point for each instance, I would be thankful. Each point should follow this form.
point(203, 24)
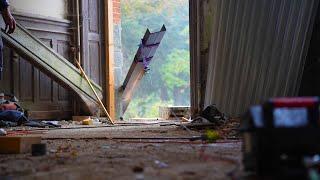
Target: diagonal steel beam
point(140, 65)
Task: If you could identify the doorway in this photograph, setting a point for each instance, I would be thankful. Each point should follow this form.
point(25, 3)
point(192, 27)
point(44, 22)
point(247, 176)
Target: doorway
point(168, 81)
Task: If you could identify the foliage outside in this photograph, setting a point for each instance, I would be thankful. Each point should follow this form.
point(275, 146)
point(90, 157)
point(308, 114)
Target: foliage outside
point(168, 81)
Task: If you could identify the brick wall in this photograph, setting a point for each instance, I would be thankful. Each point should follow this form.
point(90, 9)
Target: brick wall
point(116, 12)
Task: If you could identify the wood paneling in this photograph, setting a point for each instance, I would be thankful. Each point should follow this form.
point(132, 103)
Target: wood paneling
point(6, 83)
point(92, 39)
point(95, 61)
point(39, 94)
point(26, 80)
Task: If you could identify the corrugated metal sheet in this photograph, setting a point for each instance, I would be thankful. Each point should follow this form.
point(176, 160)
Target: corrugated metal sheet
point(257, 51)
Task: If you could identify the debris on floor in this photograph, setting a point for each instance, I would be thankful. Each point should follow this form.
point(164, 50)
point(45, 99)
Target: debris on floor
point(213, 115)
point(3, 132)
point(80, 118)
point(160, 164)
point(39, 149)
point(174, 112)
point(17, 144)
point(213, 119)
point(96, 153)
point(12, 114)
point(41, 124)
point(87, 122)
point(138, 173)
point(145, 148)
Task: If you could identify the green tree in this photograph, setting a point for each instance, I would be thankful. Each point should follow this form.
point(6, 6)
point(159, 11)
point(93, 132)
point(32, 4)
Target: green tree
point(176, 76)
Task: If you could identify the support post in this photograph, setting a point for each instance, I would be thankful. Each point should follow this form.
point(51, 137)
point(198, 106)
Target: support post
point(109, 51)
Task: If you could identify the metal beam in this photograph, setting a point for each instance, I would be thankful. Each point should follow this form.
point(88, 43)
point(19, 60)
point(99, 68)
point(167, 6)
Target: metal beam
point(140, 65)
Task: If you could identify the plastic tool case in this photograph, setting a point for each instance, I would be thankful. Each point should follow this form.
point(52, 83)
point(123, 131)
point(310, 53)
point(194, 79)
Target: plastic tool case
point(279, 135)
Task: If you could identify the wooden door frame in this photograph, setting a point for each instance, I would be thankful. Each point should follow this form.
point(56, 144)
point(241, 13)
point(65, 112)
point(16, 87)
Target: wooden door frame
point(108, 47)
point(109, 99)
point(108, 70)
point(196, 85)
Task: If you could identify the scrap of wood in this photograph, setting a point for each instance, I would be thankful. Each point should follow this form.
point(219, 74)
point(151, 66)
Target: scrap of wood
point(17, 144)
point(87, 122)
point(80, 118)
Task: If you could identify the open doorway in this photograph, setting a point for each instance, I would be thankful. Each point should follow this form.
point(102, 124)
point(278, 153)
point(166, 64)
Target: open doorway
point(168, 81)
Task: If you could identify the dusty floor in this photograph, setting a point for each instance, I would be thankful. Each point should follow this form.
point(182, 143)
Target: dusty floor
point(85, 154)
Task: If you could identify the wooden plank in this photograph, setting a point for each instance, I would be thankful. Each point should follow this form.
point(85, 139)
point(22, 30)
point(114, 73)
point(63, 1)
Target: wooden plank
point(53, 64)
point(17, 144)
point(109, 49)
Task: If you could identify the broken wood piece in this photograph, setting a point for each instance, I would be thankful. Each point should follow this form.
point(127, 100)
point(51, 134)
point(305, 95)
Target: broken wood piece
point(17, 144)
point(183, 119)
point(87, 122)
point(80, 118)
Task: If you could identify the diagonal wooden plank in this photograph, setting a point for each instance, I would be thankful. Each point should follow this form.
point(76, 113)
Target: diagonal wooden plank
point(53, 64)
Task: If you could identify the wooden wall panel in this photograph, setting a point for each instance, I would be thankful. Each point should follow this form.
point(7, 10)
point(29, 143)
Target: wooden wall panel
point(44, 82)
point(6, 81)
point(95, 61)
point(94, 17)
point(25, 80)
point(92, 39)
point(63, 48)
point(39, 94)
point(45, 87)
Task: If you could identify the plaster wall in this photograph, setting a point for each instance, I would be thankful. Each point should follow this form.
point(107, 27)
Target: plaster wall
point(48, 8)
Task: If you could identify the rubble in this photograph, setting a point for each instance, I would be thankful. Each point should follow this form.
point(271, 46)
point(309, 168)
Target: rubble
point(213, 115)
point(39, 149)
point(3, 132)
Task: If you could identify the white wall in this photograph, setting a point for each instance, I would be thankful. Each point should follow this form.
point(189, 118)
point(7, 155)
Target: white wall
point(49, 8)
